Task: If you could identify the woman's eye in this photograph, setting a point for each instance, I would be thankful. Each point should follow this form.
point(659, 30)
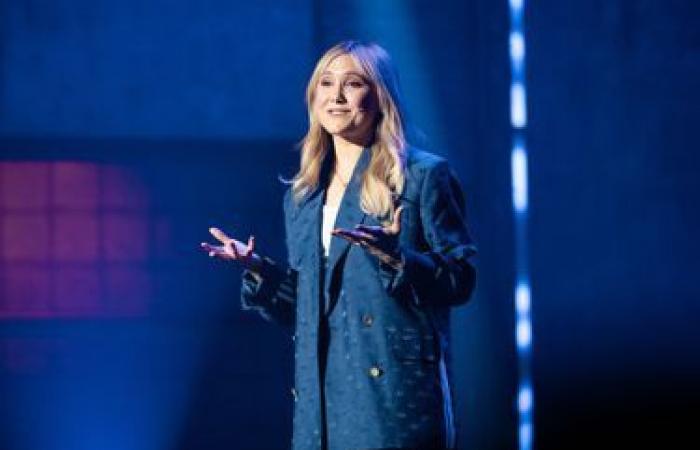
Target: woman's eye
point(325, 83)
point(355, 83)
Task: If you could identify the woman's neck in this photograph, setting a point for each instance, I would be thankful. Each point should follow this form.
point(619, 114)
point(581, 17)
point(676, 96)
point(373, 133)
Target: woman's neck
point(346, 155)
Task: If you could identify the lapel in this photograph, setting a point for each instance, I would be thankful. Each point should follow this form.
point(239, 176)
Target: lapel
point(349, 214)
point(309, 218)
point(307, 227)
point(306, 235)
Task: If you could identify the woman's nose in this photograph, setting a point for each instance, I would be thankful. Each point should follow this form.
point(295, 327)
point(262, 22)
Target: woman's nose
point(339, 96)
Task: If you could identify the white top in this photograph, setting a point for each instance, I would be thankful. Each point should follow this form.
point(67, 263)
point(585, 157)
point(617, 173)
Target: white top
point(329, 214)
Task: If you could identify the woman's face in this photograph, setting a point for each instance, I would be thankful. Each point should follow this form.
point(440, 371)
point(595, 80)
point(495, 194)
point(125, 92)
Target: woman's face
point(344, 101)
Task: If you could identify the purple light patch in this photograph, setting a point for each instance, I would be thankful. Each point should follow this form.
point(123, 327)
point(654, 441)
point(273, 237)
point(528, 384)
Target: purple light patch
point(25, 292)
point(124, 189)
point(25, 237)
point(74, 240)
point(125, 237)
point(75, 237)
point(75, 185)
point(24, 185)
point(77, 292)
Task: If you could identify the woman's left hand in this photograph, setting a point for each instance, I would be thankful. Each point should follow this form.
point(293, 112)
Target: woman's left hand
point(382, 242)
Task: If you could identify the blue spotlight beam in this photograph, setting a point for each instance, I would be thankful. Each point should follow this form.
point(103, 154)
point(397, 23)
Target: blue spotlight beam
point(522, 293)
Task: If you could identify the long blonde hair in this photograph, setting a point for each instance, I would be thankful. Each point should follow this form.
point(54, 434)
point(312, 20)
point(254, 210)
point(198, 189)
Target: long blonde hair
point(385, 176)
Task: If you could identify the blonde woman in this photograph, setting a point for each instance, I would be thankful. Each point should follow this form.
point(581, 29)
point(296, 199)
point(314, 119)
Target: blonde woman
point(378, 254)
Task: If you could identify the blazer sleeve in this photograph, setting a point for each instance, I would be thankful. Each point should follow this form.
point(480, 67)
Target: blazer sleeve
point(273, 294)
point(442, 275)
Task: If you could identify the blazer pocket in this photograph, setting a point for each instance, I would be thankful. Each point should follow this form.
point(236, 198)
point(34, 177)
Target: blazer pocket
point(410, 345)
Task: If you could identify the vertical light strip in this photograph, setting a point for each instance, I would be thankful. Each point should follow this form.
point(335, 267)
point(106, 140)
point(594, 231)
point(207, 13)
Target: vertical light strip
point(522, 295)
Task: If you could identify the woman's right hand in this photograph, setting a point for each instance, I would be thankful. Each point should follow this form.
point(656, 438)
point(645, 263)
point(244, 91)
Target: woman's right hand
point(233, 250)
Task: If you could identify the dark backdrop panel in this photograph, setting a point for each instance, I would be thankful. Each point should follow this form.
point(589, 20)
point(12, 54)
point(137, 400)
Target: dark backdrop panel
point(155, 68)
point(614, 106)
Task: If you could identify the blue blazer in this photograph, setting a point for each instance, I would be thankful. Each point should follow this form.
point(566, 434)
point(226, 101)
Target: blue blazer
point(371, 342)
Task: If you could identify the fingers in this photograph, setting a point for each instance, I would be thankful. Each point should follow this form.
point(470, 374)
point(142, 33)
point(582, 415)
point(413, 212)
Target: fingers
point(354, 236)
point(231, 248)
point(241, 253)
point(349, 235)
point(395, 227)
point(214, 250)
point(251, 246)
point(366, 234)
point(220, 235)
point(374, 231)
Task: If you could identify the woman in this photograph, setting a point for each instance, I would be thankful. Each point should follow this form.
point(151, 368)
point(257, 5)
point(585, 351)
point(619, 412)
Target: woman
point(371, 319)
